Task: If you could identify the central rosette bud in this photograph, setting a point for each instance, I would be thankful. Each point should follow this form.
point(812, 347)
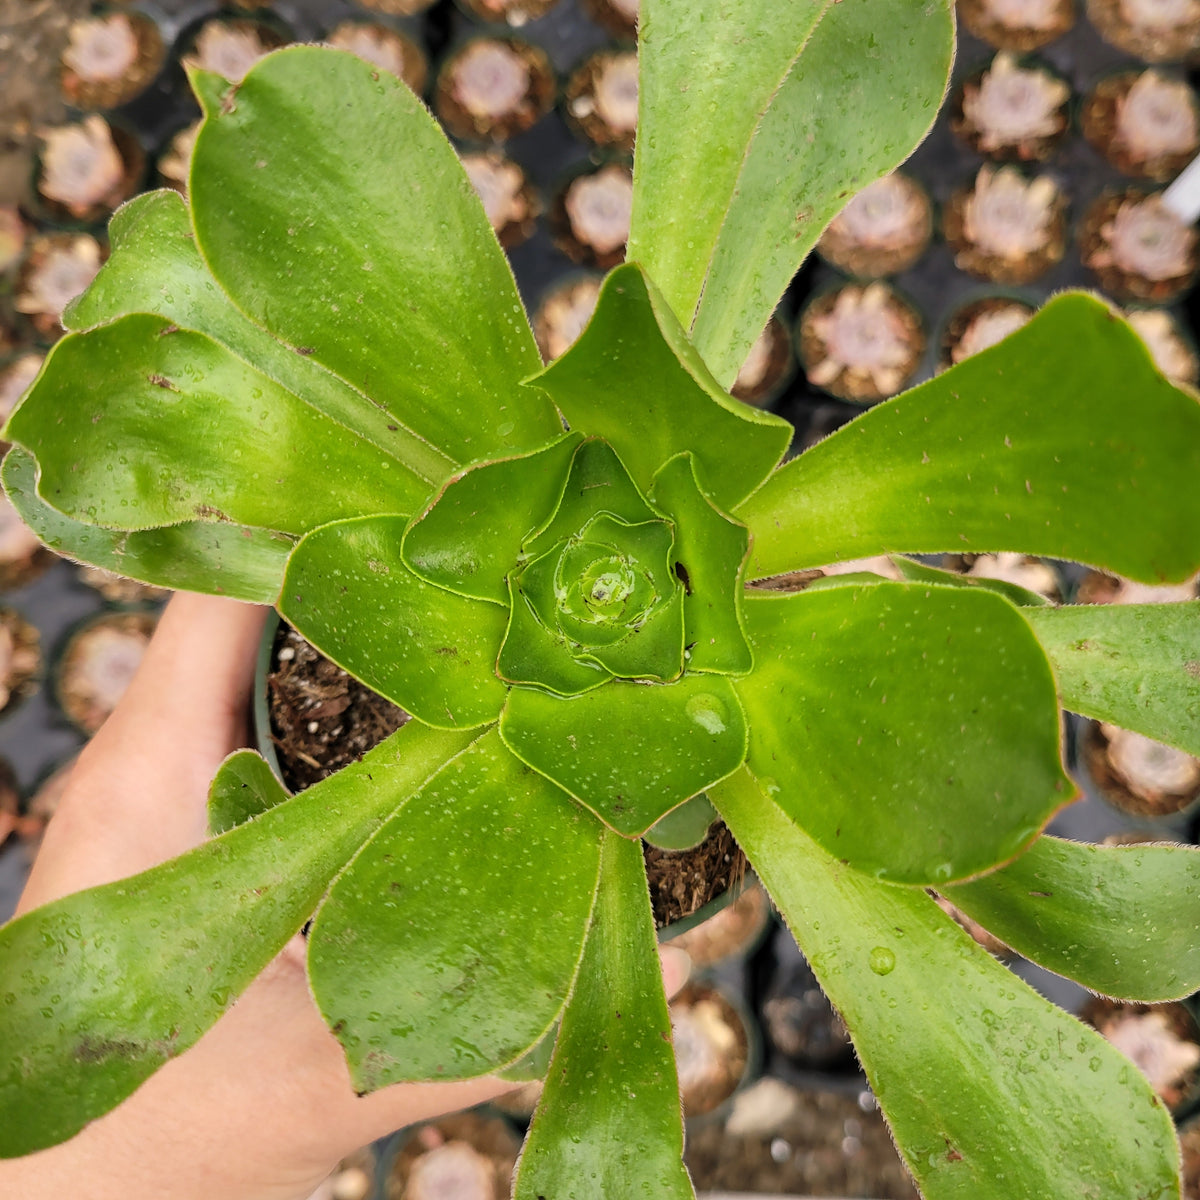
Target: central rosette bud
point(594, 594)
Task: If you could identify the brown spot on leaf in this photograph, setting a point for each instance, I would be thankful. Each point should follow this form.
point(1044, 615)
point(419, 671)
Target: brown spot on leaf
point(93, 1049)
point(163, 382)
point(1192, 668)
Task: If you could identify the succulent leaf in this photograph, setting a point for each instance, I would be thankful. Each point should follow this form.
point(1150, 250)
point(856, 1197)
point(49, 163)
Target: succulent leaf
point(192, 934)
point(787, 98)
point(710, 550)
point(610, 1111)
point(595, 592)
point(609, 594)
point(348, 591)
point(533, 652)
point(718, 75)
point(941, 763)
point(470, 536)
point(811, 153)
point(1119, 919)
point(198, 556)
point(202, 435)
point(597, 483)
point(152, 242)
point(634, 379)
point(1136, 665)
point(991, 1091)
point(1020, 447)
point(448, 946)
point(333, 211)
point(243, 788)
point(685, 826)
point(606, 747)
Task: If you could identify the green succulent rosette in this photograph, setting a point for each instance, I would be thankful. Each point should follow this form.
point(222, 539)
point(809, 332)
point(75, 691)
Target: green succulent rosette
point(585, 602)
point(312, 385)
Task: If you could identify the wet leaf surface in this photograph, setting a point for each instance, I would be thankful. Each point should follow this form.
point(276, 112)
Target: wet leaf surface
point(152, 242)
point(1019, 448)
point(609, 1123)
point(1121, 920)
point(708, 555)
point(788, 101)
point(167, 425)
point(941, 760)
point(243, 788)
point(634, 379)
point(448, 947)
point(991, 1091)
point(630, 751)
point(213, 556)
point(348, 591)
point(322, 190)
point(470, 538)
point(165, 953)
point(1136, 665)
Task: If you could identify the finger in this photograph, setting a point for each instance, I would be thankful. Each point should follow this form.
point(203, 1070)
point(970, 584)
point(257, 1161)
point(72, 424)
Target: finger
point(676, 967)
point(136, 797)
point(190, 696)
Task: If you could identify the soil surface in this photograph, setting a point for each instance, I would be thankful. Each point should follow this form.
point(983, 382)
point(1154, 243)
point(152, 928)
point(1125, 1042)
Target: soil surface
point(322, 719)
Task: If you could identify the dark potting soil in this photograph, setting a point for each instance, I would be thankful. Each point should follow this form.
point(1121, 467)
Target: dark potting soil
point(323, 719)
point(681, 881)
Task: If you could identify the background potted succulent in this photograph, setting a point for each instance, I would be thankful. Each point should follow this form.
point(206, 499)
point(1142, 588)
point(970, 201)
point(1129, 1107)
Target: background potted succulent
point(313, 385)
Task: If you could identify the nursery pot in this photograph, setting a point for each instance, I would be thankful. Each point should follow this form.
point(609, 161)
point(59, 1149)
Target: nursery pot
point(720, 846)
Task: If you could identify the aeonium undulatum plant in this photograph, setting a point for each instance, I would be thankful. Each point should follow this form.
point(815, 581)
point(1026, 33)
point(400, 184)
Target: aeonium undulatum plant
point(314, 386)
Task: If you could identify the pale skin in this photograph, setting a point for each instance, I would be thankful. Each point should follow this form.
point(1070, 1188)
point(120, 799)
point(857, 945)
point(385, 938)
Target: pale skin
point(261, 1108)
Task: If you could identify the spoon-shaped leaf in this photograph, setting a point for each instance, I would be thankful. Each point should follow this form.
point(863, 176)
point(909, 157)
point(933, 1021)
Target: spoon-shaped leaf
point(165, 953)
point(1090, 455)
point(1136, 665)
point(447, 947)
point(711, 67)
point(991, 1091)
point(709, 551)
point(1121, 920)
point(822, 139)
point(197, 556)
point(244, 787)
point(634, 379)
point(349, 592)
point(201, 434)
point(943, 762)
point(608, 1121)
point(470, 536)
point(156, 268)
point(606, 747)
point(597, 483)
point(335, 213)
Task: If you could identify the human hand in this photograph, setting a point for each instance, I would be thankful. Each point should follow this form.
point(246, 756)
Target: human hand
point(262, 1106)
